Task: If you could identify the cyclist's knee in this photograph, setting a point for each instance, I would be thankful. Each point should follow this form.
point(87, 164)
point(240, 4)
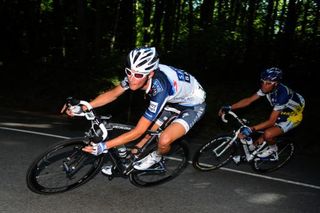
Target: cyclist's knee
point(267, 135)
point(165, 139)
point(271, 133)
point(259, 141)
point(163, 149)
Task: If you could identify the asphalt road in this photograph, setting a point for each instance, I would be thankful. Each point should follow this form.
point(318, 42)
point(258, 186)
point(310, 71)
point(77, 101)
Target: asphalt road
point(23, 135)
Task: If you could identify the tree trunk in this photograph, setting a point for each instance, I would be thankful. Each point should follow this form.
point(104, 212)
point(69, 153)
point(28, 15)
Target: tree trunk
point(147, 20)
point(243, 13)
point(125, 36)
point(168, 24)
point(235, 13)
point(291, 21)
point(98, 32)
point(190, 21)
point(250, 33)
point(268, 20)
point(304, 22)
point(282, 15)
point(274, 18)
point(288, 34)
point(206, 13)
point(82, 39)
point(176, 33)
point(157, 21)
point(316, 21)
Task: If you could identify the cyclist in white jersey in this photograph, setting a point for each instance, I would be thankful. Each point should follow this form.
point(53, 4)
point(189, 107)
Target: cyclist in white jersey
point(164, 85)
point(287, 110)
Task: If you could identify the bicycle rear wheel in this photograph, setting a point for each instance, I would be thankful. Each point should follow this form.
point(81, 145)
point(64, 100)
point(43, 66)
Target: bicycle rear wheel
point(285, 152)
point(214, 154)
point(62, 167)
point(171, 166)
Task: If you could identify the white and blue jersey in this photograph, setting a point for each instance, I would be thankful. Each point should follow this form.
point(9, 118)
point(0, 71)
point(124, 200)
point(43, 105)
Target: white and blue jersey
point(171, 85)
point(290, 103)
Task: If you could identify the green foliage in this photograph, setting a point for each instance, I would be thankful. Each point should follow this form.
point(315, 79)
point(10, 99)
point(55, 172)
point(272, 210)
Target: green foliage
point(86, 44)
point(46, 6)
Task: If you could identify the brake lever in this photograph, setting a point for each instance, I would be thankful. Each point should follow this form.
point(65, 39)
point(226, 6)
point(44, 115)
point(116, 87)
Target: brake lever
point(223, 118)
point(64, 108)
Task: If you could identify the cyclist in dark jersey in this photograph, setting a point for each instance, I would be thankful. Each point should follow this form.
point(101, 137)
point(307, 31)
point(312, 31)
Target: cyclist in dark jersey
point(286, 114)
point(163, 84)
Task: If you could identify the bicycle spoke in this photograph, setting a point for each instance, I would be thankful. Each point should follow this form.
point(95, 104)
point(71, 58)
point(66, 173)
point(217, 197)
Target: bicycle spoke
point(62, 168)
point(171, 166)
point(214, 154)
point(285, 152)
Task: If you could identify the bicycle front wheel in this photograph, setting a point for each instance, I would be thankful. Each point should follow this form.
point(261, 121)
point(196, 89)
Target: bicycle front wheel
point(285, 152)
point(172, 164)
point(62, 167)
point(214, 154)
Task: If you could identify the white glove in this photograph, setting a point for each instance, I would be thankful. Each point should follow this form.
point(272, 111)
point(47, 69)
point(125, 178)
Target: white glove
point(76, 109)
point(99, 148)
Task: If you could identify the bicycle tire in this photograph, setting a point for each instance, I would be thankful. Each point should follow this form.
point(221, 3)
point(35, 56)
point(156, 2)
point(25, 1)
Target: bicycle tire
point(285, 153)
point(206, 159)
point(63, 167)
point(175, 162)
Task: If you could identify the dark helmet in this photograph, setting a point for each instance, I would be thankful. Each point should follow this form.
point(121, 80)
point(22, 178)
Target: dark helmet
point(271, 74)
point(143, 60)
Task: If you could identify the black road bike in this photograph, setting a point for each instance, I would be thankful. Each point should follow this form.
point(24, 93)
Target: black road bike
point(64, 166)
point(222, 149)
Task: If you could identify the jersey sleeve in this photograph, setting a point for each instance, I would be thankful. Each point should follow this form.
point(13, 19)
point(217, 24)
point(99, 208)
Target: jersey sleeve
point(158, 99)
point(282, 99)
point(260, 93)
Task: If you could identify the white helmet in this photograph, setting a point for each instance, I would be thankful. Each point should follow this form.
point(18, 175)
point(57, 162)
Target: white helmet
point(143, 60)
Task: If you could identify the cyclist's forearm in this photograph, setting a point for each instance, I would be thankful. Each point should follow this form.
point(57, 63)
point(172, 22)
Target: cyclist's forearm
point(132, 135)
point(102, 100)
point(263, 125)
point(268, 123)
point(244, 102)
point(123, 139)
point(240, 104)
point(107, 97)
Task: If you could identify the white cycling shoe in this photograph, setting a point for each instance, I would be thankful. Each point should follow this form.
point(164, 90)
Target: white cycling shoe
point(271, 150)
point(107, 170)
point(148, 161)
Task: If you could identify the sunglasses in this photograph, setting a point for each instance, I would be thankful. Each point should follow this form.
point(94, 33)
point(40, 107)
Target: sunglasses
point(135, 75)
point(267, 82)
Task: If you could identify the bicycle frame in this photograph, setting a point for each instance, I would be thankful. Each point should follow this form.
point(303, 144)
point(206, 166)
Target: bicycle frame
point(126, 170)
point(65, 166)
point(232, 146)
point(99, 132)
point(249, 156)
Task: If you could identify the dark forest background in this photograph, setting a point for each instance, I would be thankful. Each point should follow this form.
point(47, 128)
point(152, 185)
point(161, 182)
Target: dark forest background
point(52, 49)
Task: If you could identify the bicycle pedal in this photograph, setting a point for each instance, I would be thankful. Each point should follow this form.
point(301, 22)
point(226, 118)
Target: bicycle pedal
point(236, 159)
point(274, 158)
point(128, 171)
point(270, 158)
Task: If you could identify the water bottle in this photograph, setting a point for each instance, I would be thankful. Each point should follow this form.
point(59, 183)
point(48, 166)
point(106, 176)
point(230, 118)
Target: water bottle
point(124, 156)
point(249, 140)
point(250, 144)
point(122, 151)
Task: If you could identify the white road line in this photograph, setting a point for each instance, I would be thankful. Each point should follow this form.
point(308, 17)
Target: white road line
point(269, 178)
point(223, 168)
point(272, 178)
point(33, 132)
